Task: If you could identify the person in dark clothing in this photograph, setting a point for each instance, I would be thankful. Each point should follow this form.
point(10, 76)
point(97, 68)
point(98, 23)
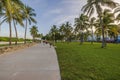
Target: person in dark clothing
point(50, 44)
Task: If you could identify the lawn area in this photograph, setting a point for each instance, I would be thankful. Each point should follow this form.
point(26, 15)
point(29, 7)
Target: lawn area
point(89, 62)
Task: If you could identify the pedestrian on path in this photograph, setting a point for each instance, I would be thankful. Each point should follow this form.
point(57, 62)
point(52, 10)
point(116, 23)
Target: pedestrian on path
point(50, 43)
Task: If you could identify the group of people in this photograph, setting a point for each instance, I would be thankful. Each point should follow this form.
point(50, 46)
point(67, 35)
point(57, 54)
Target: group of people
point(46, 42)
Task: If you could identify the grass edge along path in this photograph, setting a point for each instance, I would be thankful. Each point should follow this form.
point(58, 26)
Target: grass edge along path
point(89, 62)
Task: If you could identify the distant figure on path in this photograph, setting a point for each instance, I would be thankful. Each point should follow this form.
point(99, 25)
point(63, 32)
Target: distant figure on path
point(44, 42)
point(50, 44)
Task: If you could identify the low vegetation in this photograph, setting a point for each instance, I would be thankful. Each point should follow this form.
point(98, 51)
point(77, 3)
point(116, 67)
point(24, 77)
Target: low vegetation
point(6, 39)
point(89, 62)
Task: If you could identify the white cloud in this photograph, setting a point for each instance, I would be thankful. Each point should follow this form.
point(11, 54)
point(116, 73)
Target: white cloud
point(118, 1)
point(52, 12)
point(70, 10)
point(56, 11)
point(62, 19)
point(73, 1)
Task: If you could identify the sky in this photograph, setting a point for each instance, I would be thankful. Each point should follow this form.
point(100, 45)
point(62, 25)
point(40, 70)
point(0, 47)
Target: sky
point(49, 12)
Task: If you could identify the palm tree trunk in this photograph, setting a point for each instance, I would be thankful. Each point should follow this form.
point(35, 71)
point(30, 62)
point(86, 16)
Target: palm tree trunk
point(0, 23)
point(15, 32)
point(103, 38)
point(92, 36)
point(25, 33)
point(33, 39)
point(81, 38)
point(10, 35)
point(103, 33)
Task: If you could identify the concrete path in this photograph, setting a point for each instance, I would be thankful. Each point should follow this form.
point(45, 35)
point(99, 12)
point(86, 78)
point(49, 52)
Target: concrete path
point(36, 63)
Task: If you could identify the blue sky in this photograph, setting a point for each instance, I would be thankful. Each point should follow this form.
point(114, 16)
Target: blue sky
point(49, 12)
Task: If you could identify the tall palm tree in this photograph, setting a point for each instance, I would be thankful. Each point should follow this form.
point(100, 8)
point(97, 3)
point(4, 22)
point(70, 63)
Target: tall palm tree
point(54, 31)
point(28, 16)
point(117, 10)
point(9, 9)
point(34, 32)
point(108, 20)
point(62, 31)
point(91, 25)
point(17, 17)
point(80, 24)
point(93, 5)
point(68, 31)
point(15, 22)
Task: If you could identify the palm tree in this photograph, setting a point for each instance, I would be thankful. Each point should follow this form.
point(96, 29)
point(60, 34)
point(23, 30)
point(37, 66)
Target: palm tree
point(8, 9)
point(80, 24)
point(17, 17)
point(28, 16)
point(34, 32)
point(68, 31)
point(98, 30)
point(93, 5)
point(91, 25)
point(54, 31)
point(62, 31)
point(108, 20)
point(15, 22)
point(117, 10)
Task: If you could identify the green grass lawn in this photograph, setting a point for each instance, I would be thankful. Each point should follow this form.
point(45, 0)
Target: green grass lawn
point(89, 62)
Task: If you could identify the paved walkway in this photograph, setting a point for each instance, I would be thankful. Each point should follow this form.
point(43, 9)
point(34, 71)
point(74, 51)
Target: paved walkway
point(36, 63)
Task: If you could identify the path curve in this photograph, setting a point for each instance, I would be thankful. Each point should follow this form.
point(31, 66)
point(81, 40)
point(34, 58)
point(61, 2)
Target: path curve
point(35, 63)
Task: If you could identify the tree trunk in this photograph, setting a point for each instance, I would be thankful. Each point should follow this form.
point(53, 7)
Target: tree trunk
point(10, 35)
point(0, 23)
point(33, 39)
point(81, 38)
point(103, 35)
point(25, 33)
point(15, 32)
point(92, 36)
